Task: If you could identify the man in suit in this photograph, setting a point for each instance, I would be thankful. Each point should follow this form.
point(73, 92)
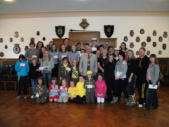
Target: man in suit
point(88, 62)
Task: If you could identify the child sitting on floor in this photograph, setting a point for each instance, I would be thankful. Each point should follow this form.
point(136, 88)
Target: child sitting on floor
point(100, 89)
point(80, 90)
point(64, 96)
point(72, 91)
point(41, 92)
point(53, 90)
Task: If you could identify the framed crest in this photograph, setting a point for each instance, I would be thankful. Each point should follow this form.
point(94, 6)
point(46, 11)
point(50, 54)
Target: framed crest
point(60, 31)
point(1, 54)
point(37, 33)
point(108, 30)
point(16, 34)
point(148, 52)
point(22, 39)
point(11, 39)
point(160, 52)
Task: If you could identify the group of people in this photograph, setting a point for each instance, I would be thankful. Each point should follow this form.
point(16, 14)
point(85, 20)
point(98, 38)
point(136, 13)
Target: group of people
point(88, 73)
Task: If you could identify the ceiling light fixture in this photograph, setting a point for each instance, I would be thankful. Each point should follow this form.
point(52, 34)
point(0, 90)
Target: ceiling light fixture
point(9, 0)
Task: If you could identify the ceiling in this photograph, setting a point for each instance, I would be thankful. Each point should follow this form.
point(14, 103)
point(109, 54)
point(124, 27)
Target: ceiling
point(30, 6)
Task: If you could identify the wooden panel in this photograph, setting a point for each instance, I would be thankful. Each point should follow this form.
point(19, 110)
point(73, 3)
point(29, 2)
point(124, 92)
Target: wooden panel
point(58, 42)
point(83, 36)
point(8, 61)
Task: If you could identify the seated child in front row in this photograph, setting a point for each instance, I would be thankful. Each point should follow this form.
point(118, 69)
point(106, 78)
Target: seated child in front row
point(90, 88)
point(72, 91)
point(80, 90)
point(64, 96)
point(53, 90)
point(41, 92)
point(100, 89)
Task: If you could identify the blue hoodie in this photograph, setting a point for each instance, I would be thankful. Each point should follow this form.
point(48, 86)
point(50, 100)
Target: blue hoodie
point(22, 71)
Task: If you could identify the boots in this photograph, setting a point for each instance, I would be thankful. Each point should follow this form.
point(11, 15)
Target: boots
point(115, 100)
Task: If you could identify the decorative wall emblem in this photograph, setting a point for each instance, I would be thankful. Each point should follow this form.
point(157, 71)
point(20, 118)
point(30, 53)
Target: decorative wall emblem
point(160, 39)
point(44, 38)
point(108, 30)
point(137, 39)
point(84, 24)
point(22, 39)
point(11, 39)
point(131, 33)
point(16, 49)
point(37, 33)
point(143, 44)
point(1, 40)
point(164, 46)
point(16, 34)
point(148, 39)
point(141, 31)
point(125, 38)
point(148, 52)
point(154, 33)
point(131, 45)
point(154, 44)
point(165, 34)
point(6, 47)
point(60, 31)
point(1, 54)
point(160, 52)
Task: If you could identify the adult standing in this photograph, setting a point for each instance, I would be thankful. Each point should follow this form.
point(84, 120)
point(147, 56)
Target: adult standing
point(88, 62)
point(31, 52)
point(109, 77)
point(142, 65)
point(102, 61)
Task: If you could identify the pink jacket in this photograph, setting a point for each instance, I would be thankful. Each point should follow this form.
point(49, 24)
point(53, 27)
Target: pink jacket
point(101, 88)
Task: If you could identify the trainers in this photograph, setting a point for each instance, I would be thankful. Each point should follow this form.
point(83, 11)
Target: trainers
point(115, 100)
point(140, 105)
point(18, 97)
point(25, 97)
point(32, 97)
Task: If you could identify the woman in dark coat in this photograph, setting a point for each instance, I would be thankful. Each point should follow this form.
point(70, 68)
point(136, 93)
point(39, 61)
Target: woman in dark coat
point(109, 77)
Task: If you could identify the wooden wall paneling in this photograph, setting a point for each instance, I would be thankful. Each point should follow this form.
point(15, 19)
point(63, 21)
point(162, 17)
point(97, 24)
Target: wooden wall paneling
point(58, 42)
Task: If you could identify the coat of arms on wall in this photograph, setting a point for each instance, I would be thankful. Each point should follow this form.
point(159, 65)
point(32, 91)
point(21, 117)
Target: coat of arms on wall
point(60, 31)
point(84, 24)
point(108, 30)
point(16, 49)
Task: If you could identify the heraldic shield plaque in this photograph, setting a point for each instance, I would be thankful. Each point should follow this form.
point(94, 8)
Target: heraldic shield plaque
point(60, 31)
point(108, 30)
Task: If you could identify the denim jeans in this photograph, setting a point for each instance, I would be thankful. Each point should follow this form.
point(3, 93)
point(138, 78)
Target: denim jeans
point(33, 82)
point(47, 78)
point(131, 86)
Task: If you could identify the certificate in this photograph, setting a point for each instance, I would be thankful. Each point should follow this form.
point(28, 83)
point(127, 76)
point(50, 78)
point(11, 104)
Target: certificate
point(89, 86)
point(94, 48)
point(34, 56)
point(152, 86)
point(22, 64)
point(55, 56)
point(41, 68)
point(68, 69)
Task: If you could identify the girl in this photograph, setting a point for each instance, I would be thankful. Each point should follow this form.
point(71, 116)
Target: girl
point(64, 70)
point(74, 72)
point(54, 55)
point(41, 91)
point(63, 53)
point(131, 63)
point(109, 77)
point(22, 69)
point(153, 72)
point(46, 67)
point(34, 74)
point(80, 90)
point(90, 88)
point(100, 89)
point(53, 90)
point(64, 96)
point(72, 91)
point(120, 79)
